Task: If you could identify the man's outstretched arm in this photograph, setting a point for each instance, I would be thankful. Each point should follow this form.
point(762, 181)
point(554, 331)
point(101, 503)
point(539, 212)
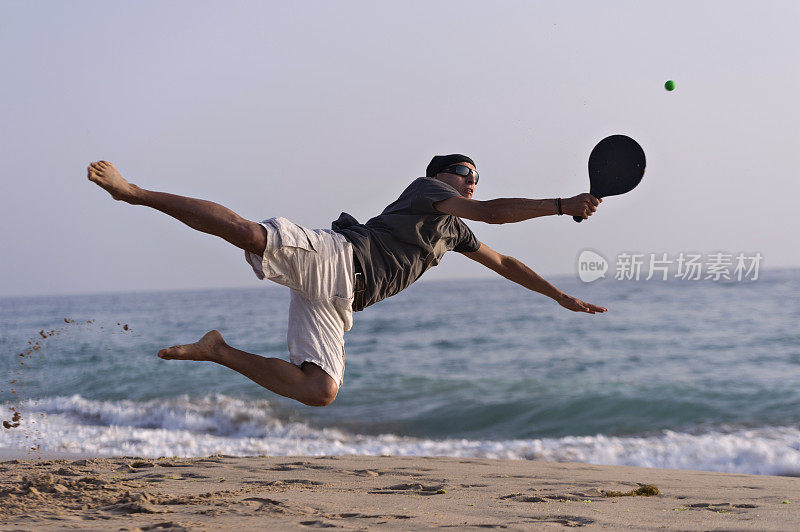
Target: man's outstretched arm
point(507, 210)
point(514, 270)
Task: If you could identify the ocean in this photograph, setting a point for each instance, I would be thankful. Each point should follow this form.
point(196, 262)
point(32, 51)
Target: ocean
point(678, 374)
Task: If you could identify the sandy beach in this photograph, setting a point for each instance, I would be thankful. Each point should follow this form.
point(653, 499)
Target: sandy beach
point(366, 492)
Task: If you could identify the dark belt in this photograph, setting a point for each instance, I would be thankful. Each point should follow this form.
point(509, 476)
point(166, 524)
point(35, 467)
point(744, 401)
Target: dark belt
point(359, 284)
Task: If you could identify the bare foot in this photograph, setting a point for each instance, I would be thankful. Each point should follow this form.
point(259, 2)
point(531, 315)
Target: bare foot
point(207, 348)
point(107, 177)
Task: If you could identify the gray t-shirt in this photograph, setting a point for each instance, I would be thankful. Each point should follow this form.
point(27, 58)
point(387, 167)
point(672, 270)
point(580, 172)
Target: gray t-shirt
point(406, 239)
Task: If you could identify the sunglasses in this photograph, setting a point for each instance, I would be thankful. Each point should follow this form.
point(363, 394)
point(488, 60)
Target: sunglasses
point(462, 170)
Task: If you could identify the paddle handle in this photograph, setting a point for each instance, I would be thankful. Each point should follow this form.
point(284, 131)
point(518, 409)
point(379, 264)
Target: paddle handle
point(578, 218)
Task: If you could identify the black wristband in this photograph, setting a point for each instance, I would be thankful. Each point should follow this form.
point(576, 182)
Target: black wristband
point(558, 203)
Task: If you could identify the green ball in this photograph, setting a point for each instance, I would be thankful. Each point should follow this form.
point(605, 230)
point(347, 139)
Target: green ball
point(670, 85)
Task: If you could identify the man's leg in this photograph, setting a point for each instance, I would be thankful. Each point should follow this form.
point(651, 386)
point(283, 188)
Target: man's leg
point(202, 215)
point(308, 384)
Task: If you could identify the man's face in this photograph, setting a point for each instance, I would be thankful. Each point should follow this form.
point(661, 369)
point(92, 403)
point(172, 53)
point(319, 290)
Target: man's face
point(465, 185)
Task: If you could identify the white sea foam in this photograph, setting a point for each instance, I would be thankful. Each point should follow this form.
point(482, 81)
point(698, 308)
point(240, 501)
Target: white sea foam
point(220, 424)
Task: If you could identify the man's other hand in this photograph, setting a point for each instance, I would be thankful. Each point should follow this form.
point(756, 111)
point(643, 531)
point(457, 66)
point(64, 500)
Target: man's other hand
point(576, 305)
point(582, 205)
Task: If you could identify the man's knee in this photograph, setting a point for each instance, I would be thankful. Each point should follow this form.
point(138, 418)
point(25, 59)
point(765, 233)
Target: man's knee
point(322, 389)
point(256, 241)
point(322, 395)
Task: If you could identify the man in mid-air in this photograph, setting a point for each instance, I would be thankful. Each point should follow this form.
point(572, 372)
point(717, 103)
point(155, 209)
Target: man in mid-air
point(333, 273)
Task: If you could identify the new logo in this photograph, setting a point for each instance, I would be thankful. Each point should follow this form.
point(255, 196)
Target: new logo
point(591, 266)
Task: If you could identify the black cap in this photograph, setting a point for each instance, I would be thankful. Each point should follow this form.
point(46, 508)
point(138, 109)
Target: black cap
point(440, 162)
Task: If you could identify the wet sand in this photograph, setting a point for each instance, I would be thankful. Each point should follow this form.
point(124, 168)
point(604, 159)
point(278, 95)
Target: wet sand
point(358, 492)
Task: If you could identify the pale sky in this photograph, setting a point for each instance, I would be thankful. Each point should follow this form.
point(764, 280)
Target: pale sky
point(306, 109)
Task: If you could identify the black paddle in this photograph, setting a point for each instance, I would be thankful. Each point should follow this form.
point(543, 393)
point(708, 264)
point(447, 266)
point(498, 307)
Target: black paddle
point(616, 166)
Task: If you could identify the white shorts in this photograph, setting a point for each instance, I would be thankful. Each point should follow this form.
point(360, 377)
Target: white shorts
point(317, 265)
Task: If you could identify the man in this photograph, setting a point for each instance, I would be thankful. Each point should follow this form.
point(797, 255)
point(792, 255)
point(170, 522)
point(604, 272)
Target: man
point(331, 274)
